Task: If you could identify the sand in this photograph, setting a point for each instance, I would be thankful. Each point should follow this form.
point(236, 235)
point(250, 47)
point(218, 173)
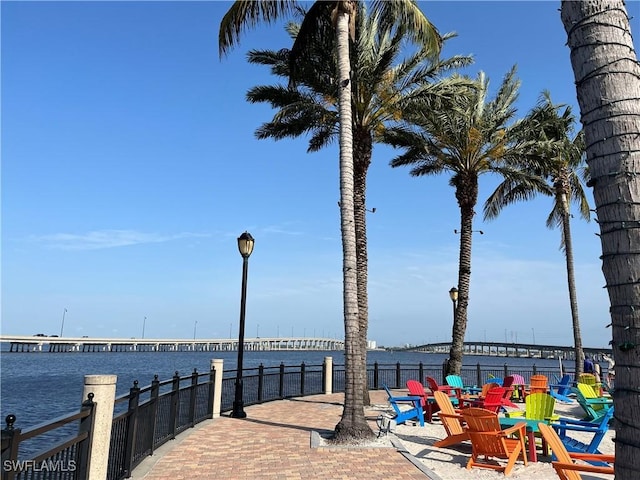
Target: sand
point(449, 463)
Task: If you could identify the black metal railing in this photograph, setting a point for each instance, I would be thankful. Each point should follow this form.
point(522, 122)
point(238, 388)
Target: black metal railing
point(67, 459)
point(265, 384)
point(155, 415)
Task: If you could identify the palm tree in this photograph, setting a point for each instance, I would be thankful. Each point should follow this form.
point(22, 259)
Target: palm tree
point(607, 75)
point(382, 85)
point(470, 138)
point(561, 165)
point(343, 14)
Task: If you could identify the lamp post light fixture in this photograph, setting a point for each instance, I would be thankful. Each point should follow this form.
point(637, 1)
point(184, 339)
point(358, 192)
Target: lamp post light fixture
point(453, 295)
point(245, 246)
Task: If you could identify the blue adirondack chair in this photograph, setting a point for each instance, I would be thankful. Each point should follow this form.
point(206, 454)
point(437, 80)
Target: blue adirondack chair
point(561, 390)
point(598, 428)
point(406, 407)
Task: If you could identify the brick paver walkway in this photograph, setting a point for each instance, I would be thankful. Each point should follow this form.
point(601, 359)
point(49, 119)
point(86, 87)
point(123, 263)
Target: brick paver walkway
point(273, 442)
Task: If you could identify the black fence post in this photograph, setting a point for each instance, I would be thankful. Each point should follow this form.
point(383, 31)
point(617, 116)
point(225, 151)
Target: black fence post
point(324, 375)
point(10, 444)
point(260, 382)
point(132, 427)
point(478, 375)
point(173, 409)
point(535, 369)
point(506, 371)
point(398, 377)
point(376, 374)
point(84, 449)
point(421, 372)
point(302, 375)
point(281, 392)
point(192, 397)
point(444, 370)
point(153, 413)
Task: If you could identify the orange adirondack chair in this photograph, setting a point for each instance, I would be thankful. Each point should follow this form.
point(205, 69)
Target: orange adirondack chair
point(565, 466)
point(451, 421)
point(538, 384)
point(488, 440)
point(429, 405)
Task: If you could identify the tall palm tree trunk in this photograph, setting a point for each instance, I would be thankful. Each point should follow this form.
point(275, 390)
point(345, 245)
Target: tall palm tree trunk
point(362, 159)
point(353, 423)
point(571, 280)
point(467, 194)
point(607, 77)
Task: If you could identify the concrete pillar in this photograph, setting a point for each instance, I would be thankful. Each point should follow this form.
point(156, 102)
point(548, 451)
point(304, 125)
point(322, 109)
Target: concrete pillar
point(103, 388)
point(217, 363)
point(328, 375)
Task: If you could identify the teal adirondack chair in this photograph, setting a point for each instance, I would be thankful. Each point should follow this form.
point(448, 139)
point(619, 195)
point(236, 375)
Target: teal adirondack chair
point(594, 407)
point(406, 407)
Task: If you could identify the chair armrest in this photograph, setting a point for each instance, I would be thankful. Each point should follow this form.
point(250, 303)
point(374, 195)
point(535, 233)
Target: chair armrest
point(600, 401)
point(516, 413)
point(579, 467)
point(520, 426)
point(410, 398)
point(552, 418)
point(592, 456)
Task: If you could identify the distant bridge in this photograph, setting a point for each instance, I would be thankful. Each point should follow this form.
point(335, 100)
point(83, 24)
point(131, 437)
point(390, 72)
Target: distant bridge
point(25, 343)
point(503, 349)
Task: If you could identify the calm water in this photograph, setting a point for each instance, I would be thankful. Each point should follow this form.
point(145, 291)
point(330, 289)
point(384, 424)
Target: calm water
point(37, 387)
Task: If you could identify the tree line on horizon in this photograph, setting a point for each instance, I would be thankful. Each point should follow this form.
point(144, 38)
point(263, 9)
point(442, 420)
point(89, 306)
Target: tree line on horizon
point(348, 77)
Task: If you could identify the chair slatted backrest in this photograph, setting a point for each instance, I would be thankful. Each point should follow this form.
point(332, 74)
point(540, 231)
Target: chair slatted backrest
point(493, 400)
point(538, 384)
point(448, 416)
point(416, 388)
point(455, 381)
point(518, 379)
point(508, 381)
point(486, 387)
point(588, 378)
point(540, 406)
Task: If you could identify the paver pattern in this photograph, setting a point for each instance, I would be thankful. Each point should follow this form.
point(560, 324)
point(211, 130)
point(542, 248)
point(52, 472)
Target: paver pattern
point(273, 442)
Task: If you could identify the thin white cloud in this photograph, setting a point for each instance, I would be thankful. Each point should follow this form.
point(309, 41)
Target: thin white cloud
point(101, 239)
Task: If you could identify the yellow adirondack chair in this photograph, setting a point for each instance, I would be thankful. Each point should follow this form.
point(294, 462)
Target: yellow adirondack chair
point(489, 440)
point(451, 421)
point(565, 466)
point(537, 406)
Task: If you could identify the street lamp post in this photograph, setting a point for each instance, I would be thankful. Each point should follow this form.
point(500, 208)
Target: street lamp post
point(195, 326)
point(453, 295)
point(143, 325)
point(245, 246)
point(62, 326)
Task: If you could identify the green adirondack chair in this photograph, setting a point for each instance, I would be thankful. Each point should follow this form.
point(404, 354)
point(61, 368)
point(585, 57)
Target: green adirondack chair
point(594, 406)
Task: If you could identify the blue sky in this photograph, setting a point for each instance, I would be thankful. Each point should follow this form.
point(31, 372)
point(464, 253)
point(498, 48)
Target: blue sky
point(130, 167)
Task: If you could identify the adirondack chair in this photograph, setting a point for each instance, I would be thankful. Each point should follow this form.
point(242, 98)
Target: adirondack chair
point(518, 387)
point(427, 402)
point(489, 440)
point(492, 401)
point(538, 406)
point(456, 381)
point(538, 384)
point(405, 407)
point(593, 405)
point(598, 429)
point(562, 389)
point(454, 392)
point(451, 421)
point(565, 466)
point(507, 383)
